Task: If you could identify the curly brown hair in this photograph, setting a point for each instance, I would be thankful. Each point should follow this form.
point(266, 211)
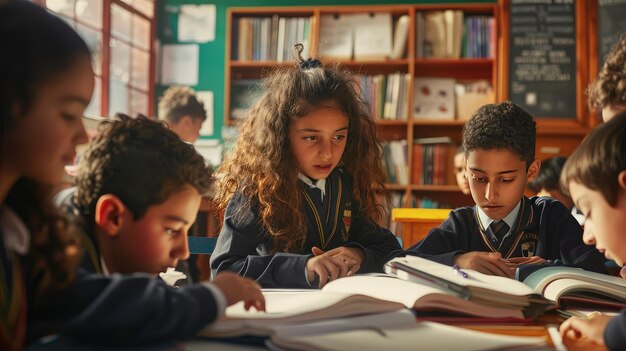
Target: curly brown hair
point(178, 102)
point(42, 47)
point(503, 126)
point(610, 86)
point(141, 162)
point(263, 167)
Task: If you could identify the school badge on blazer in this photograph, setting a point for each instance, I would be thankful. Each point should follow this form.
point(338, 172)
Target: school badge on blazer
point(347, 221)
point(528, 244)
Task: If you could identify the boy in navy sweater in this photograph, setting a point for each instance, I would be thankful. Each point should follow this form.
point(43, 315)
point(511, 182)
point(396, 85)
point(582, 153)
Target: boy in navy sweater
point(505, 229)
point(595, 177)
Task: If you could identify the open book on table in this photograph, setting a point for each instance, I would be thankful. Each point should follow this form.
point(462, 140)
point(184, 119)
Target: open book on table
point(290, 308)
point(578, 288)
point(421, 297)
point(482, 289)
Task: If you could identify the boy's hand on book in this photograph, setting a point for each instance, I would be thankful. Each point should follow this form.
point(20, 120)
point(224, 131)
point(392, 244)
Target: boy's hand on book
point(587, 328)
point(490, 263)
point(236, 288)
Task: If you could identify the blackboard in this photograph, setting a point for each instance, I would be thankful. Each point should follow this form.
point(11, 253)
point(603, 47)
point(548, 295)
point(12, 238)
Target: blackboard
point(542, 57)
point(611, 25)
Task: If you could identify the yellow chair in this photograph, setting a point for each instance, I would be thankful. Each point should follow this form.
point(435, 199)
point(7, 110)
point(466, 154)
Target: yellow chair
point(418, 222)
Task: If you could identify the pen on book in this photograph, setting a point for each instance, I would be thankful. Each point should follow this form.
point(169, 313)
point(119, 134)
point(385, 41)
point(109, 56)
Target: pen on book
point(459, 272)
point(555, 336)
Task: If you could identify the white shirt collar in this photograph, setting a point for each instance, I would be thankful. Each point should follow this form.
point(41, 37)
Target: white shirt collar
point(15, 234)
point(320, 183)
point(105, 270)
point(509, 219)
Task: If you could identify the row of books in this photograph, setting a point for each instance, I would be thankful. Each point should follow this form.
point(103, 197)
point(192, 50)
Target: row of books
point(446, 34)
point(379, 310)
point(270, 38)
point(395, 162)
point(431, 161)
point(387, 95)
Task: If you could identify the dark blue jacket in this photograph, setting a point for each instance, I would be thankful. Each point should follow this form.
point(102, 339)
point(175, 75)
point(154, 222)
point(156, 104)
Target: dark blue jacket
point(544, 228)
point(243, 245)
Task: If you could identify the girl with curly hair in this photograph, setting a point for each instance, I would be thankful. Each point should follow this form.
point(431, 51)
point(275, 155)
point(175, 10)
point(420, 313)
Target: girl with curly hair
point(299, 189)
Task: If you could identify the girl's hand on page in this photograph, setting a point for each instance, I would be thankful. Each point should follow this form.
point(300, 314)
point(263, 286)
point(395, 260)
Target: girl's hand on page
point(622, 272)
point(327, 268)
point(351, 256)
point(587, 328)
point(490, 263)
point(236, 288)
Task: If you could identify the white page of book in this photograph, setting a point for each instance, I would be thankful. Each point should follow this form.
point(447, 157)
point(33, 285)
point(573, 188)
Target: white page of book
point(422, 336)
point(415, 295)
point(475, 279)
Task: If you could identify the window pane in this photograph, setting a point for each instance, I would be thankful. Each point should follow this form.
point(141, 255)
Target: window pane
point(138, 103)
point(118, 96)
point(89, 11)
point(64, 7)
point(119, 77)
point(120, 60)
point(141, 32)
point(145, 6)
point(94, 41)
point(120, 22)
point(94, 106)
point(141, 69)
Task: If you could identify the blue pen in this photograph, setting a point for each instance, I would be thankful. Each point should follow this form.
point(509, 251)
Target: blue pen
point(458, 271)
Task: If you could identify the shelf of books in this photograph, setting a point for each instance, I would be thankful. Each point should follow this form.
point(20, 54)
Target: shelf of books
point(423, 69)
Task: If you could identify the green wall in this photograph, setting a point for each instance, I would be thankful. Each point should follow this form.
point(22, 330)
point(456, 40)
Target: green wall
point(212, 54)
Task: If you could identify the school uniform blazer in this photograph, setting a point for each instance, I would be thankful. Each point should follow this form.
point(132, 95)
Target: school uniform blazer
point(121, 310)
point(615, 332)
point(243, 245)
point(543, 228)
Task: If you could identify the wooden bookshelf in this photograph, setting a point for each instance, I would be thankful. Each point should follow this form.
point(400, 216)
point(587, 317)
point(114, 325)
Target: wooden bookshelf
point(556, 135)
point(406, 127)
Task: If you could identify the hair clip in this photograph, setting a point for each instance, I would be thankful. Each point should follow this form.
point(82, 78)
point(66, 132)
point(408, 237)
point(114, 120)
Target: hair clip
point(304, 64)
point(310, 63)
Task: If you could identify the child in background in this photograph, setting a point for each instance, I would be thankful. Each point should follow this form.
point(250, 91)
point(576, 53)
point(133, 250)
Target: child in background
point(183, 112)
point(505, 229)
point(46, 85)
point(460, 172)
point(546, 183)
point(138, 190)
point(295, 217)
point(595, 176)
point(608, 92)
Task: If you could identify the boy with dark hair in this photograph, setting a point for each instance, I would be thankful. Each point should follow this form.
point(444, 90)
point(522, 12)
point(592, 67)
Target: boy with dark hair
point(595, 176)
point(505, 229)
point(547, 181)
point(183, 112)
point(608, 93)
point(138, 190)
